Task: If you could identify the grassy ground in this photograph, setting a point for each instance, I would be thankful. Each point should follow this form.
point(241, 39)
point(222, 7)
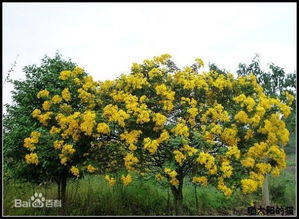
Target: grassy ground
point(92, 196)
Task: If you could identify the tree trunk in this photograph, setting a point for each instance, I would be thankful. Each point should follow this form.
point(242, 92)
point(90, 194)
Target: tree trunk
point(58, 191)
point(265, 191)
point(178, 199)
point(63, 195)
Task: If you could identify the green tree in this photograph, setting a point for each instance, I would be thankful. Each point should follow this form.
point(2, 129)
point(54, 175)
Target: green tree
point(275, 82)
point(18, 123)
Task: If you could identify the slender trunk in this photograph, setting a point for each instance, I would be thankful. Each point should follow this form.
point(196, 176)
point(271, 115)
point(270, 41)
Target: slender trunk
point(265, 191)
point(63, 195)
point(58, 191)
point(178, 199)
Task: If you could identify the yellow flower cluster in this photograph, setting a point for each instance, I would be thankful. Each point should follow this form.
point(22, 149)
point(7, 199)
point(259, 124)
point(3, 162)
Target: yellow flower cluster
point(91, 169)
point(290, 97)
point(263, 168)
point(179, 157)
point(258, 177)
point(29, 143)
point(222, 187)
point(131, 138)
point(164, 136)
point(54, 130)
point(58, 144)
point(162, 59)
point(193, 112)
point(75, 171)
point(130, 161)
point(43, 118)
point(190, 80)
point(217, 113)
point(233, 151)
point(47, 105)
point(66, 94)
point(126, 179)
point(85, 96)
point(136, 68)
point(42, 94)
point(190, 150)
point(150, 145)
point(31, 158)
point(258, 150)
point(242, 117)
point(168, 95)
point(249, 134)
point(110, 180)
point(248, 162)
point(36, 113)
point(65, 152)
point(155, 72)
point(134, 81)
point(68, 149)
point(134, 107)
point(200, 180)
point(227, 169)
point(278, 155)
point(276, 130)
point(103, 128)
point(249, 186)
point(181, 129)
point(69, 124)
point(77, 71)
point(115, 115)
point(56, 99)
point(159, 120)
point(209, 162)
point(172, 174)
point(243, 100)
point(221, 82)
point(89, 122)
point(65, 75)
point(229, 136)
point(200, 62)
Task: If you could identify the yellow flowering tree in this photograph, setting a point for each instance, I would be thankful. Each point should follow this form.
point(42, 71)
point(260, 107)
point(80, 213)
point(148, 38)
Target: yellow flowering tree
point(208, 127)
point(48, 134)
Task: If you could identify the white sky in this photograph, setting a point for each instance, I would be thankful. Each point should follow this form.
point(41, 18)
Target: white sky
point(105, 38)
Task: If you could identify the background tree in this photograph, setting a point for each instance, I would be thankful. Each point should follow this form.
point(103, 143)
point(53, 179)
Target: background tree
point(277, 84)
point(33, 158)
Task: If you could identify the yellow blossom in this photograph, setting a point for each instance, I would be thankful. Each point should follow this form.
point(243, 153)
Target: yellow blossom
point(248, 162)
point(248, 186)
point(75, 171)
point(103, 128)
point(56, 99)
point(91, 169)
point(200, 180)
point(110, 180)
point(64, 75)
point(31, 158)
point(66, 94)
point(42, 94)
point(126, 179)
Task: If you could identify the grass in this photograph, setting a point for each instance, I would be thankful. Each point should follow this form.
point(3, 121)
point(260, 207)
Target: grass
point(93, 196)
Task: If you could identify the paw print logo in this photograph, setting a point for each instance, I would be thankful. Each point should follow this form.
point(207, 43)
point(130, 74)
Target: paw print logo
point(38, 200)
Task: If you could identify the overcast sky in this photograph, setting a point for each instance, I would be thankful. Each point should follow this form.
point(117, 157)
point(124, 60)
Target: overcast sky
point(105, 38)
